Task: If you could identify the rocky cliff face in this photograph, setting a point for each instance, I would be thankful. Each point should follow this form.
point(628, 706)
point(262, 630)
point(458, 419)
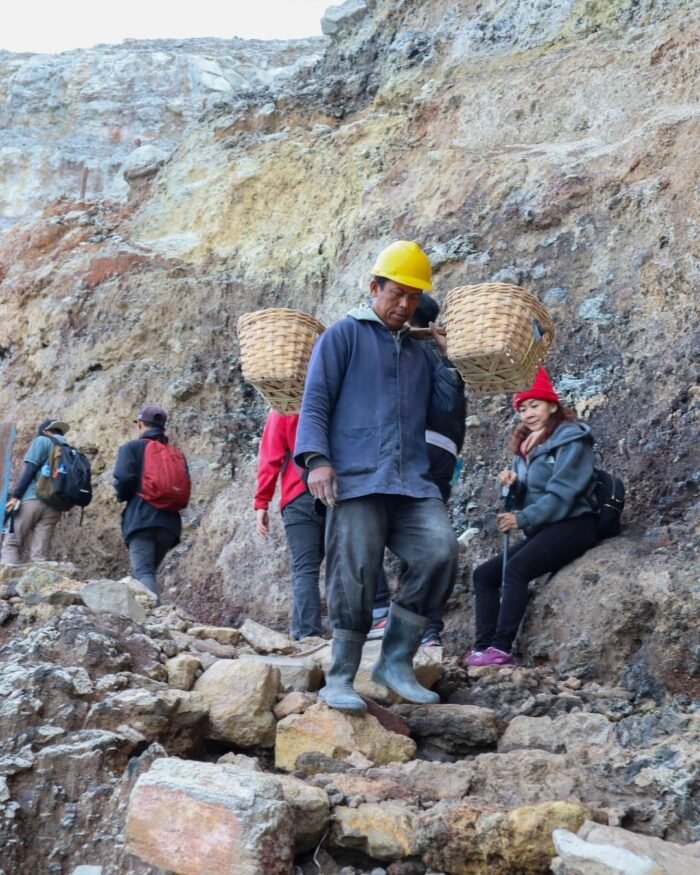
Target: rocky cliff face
point(545, 144)
point(140, 742)
point(549, 144)
point(70, 121)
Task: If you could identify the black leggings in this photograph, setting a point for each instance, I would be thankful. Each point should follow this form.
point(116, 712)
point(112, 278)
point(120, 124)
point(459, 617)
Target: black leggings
point(500, 606)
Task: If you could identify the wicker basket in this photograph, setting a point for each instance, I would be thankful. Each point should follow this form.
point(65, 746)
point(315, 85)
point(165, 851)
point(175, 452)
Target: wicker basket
point(275, 349)
point(497, 336)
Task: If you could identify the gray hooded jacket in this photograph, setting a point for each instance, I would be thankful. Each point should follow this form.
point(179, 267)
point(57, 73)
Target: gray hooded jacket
point(554, 483)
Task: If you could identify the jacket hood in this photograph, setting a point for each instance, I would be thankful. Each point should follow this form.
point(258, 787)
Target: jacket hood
point(154, 434)
point(566, 434)
point(367, 314)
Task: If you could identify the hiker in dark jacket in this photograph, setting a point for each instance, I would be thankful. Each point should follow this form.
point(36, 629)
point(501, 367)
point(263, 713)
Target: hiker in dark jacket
point(34, 521)
point(445, 436)
point(550, 479)
point(370, 390)
point(148, 531)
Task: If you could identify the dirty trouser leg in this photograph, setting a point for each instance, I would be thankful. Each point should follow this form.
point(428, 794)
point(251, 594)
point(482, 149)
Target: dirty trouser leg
point(355, 538)
point(382, 596)
point(26, 518)
point(42, 533)
point(304, 529)
point(147, 549)
point(420, 534)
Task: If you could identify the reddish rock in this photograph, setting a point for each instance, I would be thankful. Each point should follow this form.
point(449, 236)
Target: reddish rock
point(191, 818)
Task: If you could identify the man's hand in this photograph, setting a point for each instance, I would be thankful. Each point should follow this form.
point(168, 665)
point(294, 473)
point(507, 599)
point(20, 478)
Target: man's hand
point(12, 504)
point(323, 484)
point(439, 338)
point(506, 522)
point(507, 477)
point(262, 522)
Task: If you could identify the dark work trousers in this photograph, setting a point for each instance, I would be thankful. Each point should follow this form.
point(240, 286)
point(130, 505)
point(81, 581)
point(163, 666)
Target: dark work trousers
point(305, 530)
point(382, 597)
point(416, 530)
point(500, 606)
point(147, 549)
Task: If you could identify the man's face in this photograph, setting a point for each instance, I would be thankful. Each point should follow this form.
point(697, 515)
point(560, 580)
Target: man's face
point(393, 303)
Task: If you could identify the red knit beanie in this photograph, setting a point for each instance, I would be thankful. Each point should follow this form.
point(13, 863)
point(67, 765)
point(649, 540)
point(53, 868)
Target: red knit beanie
point(542, 389)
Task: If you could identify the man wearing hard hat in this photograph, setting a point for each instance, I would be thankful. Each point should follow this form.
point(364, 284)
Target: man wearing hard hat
point(370, 391)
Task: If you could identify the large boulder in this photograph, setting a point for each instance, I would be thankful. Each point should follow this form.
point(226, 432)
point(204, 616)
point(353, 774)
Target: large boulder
point(454, 729)
point(178, 720)
point(310, 809)
point(265, 640)
point(524, 777)
point(382, 830)
point(608, 850)
point(112, 597)
point(296, 672)
point(429, 780)
point(470, 837)
point(531, 732)
point(337, 735)
point(182, 670)
point(241, 696)
point(190, 818)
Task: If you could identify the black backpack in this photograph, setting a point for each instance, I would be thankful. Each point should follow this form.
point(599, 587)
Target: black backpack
point(68, 484)
point(607, 498)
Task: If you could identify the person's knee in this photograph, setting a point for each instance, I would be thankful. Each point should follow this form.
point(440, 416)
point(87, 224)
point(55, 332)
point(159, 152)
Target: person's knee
point(442, 545)
point(484, 578)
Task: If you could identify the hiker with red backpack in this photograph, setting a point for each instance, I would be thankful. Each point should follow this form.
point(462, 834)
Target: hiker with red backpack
point(550, 485)
point(31, 521)
point(152, 477)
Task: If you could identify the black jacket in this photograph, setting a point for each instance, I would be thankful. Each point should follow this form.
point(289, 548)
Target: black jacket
point(138, 513)
point(451, 422)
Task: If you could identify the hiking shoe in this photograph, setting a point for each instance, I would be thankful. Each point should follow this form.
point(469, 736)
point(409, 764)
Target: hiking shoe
point(490, 656)
point(377, 630)
point(432, 639)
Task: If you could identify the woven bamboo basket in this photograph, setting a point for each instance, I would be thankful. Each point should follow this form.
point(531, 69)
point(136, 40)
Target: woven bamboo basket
point(275, 348)
point(497, 336)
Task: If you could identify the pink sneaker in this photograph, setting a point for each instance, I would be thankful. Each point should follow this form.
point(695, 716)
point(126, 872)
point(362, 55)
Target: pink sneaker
point(490, 656)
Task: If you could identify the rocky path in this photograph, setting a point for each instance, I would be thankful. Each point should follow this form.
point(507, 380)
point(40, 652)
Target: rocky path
point(135, 740)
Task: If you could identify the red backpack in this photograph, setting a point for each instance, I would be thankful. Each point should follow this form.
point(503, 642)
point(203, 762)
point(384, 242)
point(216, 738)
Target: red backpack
point(165, 481)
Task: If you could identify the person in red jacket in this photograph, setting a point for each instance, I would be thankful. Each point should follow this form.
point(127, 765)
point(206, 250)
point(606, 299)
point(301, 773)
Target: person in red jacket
point(303, 527)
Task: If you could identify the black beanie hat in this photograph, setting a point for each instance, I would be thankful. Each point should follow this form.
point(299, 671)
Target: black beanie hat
point(427, 311)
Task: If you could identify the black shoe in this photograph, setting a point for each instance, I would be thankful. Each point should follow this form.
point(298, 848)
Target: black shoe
point(431, 639)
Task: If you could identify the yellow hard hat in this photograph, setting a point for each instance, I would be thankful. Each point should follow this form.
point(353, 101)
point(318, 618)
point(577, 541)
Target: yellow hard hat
point(405, 262)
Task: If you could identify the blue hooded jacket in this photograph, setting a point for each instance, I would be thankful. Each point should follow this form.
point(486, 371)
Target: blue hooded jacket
point(368, 395)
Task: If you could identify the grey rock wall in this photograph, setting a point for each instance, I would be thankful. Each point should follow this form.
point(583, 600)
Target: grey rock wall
point(84, 111)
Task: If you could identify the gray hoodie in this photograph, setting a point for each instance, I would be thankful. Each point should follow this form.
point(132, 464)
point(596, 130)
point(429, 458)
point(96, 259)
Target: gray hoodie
point(554, 483)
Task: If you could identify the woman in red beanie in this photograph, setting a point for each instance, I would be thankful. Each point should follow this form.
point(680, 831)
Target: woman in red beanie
point(551, 475)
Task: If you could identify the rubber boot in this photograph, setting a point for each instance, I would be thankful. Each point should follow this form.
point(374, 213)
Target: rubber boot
point(394, 668)
point(346, 654)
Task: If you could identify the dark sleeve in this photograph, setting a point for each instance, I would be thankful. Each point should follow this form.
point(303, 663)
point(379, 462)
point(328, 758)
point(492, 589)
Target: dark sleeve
point(448, 408)
point(324, 380)
point(25, 478)
point(127, 469)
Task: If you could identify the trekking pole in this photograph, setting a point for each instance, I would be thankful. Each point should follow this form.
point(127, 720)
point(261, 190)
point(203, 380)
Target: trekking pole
point(507, 495)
